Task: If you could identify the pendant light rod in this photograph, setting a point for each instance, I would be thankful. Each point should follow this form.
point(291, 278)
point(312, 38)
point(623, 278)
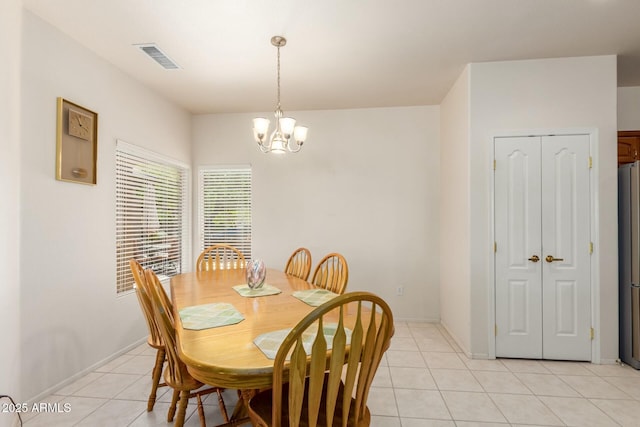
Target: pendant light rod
point(278, 42)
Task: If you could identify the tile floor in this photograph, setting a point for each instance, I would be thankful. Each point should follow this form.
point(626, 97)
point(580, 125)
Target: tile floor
point(424, 381)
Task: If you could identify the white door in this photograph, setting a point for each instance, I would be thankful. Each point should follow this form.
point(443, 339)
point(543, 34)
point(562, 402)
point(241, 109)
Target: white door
point(566, 237)
point(542, 259)
point(518, 268)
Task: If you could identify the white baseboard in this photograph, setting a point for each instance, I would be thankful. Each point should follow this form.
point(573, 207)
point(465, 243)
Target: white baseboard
point(39, 397)
point(415, 320)
point(610, 361)
point(462, 348)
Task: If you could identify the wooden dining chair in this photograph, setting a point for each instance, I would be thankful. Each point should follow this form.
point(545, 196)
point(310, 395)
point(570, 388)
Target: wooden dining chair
point(322, 385)
point(176, 375)
point(220, 257)
point(155, 338)
point(332, 273)
point(299, 264)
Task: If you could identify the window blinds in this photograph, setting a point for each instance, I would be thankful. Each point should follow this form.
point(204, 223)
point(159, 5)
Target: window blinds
point(151, 214)
point(225, 207)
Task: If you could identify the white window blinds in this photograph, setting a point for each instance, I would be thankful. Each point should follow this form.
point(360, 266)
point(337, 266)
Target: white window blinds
point(152, 214)
point(225, 207)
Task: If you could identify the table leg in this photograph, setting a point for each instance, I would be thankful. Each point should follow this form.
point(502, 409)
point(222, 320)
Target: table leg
point(241, 412)
point(242, 408)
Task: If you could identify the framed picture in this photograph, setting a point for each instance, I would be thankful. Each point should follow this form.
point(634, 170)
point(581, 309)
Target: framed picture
point(76, 143)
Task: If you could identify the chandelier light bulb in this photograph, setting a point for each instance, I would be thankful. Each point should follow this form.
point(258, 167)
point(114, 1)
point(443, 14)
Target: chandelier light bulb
point(287, 124)
point(260, 128)
point(300, 134)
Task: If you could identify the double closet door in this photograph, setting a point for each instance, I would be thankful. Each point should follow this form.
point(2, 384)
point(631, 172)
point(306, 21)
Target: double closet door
point(543, 247)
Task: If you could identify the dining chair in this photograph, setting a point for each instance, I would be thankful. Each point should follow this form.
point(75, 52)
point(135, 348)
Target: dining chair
point(326, 382)
point(220, 257)
point(332, 273)
point(176, 375)
point(155, 338)
point(299, 264)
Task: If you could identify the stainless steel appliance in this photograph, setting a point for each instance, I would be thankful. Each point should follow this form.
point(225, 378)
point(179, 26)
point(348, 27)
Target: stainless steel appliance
point(629, 262)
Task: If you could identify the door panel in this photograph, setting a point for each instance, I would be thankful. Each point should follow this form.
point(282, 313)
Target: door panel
point(566, 307)
point(519, 291)
point(518, 287)
point(566, 237)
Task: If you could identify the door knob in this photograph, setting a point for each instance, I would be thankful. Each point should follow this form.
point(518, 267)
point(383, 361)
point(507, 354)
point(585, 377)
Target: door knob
point(534, 258)
point(550, 258)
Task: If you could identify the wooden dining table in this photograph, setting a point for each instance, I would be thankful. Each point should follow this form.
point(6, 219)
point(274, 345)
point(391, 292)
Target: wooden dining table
point(226, 356)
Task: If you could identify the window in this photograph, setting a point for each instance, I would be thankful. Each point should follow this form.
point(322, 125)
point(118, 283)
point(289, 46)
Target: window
point(152, 214)
point(225, 207)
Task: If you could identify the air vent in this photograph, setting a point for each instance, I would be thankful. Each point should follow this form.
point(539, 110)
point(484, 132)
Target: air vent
point(157, 55)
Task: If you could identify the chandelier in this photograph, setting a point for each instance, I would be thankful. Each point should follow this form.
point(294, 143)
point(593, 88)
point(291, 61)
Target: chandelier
point(286, 137)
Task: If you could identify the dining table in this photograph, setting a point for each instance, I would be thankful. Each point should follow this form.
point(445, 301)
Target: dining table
point(226, 356)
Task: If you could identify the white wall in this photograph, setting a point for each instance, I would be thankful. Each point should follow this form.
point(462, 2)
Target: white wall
point(545, 94)
point(10, 28)
point(71, 317)
point(629, 108)
point(455, 216)
point(366, 184)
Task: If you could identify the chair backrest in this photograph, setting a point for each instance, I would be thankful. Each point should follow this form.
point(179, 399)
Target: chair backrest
point(332, 273)
point(220, 257)
point(357, 358)
point(144, 299)
point(299, 264)
point(176, 373)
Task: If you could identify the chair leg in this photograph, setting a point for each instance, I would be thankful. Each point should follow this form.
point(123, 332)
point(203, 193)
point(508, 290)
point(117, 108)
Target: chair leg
point(223, 408)
point(201, 411)
point(182, 408)
point(174, 402)
point(157, 373)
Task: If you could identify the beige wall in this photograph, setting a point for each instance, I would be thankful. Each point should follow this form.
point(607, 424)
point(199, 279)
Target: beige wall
point(455, 214)
point(10, 27)
point(71, 317)
point(629, 108)
point(366, 184)
point(545, 94)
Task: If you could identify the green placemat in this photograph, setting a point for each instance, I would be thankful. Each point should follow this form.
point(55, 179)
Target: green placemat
point(314, 297)
point(265, 290)
point(206, 316)
point(270, 342)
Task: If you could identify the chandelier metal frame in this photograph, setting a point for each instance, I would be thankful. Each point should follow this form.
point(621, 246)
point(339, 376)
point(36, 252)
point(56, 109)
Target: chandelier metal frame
point(286, 137)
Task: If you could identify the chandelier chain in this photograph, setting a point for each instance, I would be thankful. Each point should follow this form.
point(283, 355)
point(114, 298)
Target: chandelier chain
point(279, 78)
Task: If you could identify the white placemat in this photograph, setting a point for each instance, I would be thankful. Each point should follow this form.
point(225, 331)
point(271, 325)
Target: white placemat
point(207, 316)
point(265, 290)
point(314, 297)
point(270, 342)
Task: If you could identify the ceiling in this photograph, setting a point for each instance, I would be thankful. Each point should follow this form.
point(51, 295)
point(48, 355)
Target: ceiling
point(340, 53)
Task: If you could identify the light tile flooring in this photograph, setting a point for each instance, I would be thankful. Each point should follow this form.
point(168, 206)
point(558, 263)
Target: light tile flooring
point(424, 381)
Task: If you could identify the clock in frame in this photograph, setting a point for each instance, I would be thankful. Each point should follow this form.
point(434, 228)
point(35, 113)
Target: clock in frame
point(76, 143)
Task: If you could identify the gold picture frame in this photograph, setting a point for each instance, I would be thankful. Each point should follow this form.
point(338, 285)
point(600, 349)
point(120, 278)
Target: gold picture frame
point(76, 143)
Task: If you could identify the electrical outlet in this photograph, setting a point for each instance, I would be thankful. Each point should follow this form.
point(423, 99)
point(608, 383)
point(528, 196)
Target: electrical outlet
point(400, 291)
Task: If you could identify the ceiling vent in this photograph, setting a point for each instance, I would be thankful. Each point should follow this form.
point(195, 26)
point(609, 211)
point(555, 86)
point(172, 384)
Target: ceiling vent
point(157, 55)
